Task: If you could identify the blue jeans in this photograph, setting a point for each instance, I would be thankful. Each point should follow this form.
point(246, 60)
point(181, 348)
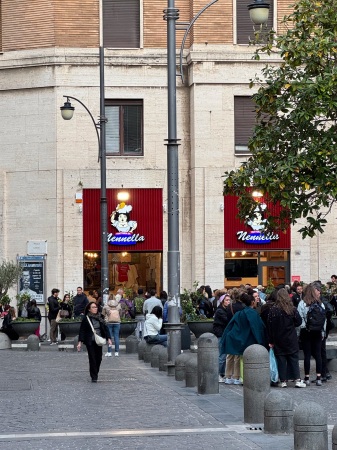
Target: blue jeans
point(160, 339)
point(114, 333)
point(222, 360)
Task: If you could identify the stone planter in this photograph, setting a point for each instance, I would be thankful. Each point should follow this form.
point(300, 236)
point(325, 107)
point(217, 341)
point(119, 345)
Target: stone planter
point(70, 329)
point(200, 327)
point(127, 328)
point(25, 329)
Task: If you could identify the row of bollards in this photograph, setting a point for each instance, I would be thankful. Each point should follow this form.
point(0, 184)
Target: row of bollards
point(197, 369)
point(275, 409)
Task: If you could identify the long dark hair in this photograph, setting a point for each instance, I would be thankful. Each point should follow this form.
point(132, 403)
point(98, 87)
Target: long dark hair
point(158, 312)
point(283, 301)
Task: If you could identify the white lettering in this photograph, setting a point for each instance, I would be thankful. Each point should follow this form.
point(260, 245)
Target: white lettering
point(246, 237)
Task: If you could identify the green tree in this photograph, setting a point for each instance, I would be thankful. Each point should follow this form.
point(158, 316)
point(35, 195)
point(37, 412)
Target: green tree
point(9, 274)
point(294, 154)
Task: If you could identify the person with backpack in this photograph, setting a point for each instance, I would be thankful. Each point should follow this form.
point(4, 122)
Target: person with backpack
point(111, 314)
point(312, 330)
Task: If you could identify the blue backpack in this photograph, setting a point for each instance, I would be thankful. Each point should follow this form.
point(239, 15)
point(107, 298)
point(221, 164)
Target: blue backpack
point(315, 317)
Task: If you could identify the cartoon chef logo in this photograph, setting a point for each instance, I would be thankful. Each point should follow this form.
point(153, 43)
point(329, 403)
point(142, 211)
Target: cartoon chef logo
point(120, 219)
point(258, 222)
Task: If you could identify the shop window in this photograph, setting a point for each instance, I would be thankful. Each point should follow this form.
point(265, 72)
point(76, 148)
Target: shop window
point(124, 130)
point(121, 23)
point(244, 26)
point(127, 270)
point(241, 268)
point(244, 122)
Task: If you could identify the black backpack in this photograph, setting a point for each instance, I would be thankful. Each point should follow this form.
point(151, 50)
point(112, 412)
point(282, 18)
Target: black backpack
point(315, 317)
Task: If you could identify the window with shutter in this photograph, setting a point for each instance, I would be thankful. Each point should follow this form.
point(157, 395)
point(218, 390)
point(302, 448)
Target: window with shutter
point(244, 122)
point(124, 129)
point(121, 23)
point(244, 26)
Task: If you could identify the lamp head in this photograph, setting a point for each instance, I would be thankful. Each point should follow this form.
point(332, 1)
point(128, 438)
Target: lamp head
point(259, 12)
point(67, 111)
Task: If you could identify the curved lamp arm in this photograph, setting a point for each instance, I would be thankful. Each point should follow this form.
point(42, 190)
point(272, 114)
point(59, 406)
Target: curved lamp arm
point(190, 25)
point(97, 125)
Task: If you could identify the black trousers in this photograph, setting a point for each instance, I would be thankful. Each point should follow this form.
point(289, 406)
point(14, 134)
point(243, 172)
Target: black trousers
point(288, 368)
point(312, 346)
point(324, 360)
point(95, 358)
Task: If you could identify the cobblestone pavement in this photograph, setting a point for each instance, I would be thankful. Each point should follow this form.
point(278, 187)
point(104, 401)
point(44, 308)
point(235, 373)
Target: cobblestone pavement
point(47, 402)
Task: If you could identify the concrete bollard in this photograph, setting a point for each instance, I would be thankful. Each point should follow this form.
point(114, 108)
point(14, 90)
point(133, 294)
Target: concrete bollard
point(163, 358)
point(131, 344)
point(334, 438)
point(33, 343)
point(208, 364)
point(5, 342)
point(191, 371)
point(256, 382)
point(147, 353)
point(278, 413)
point(155, 356)
point(310, 427)
point(141, 348)
point(180, 366)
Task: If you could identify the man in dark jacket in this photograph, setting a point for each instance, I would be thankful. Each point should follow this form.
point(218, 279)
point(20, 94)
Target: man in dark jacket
point(219, 325)
point(54, 307)
point(80, 301)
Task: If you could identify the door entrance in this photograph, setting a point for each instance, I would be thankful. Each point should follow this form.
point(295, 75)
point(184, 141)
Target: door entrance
point(278, 272)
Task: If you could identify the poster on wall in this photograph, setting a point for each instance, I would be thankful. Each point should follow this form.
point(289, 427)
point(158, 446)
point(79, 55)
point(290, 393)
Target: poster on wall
point(32, 278)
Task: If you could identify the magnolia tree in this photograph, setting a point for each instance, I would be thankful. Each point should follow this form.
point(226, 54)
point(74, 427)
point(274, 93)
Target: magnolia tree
point(293, 148)
point(9, 274)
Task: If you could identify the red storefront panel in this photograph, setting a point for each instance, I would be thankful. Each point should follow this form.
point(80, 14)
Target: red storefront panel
point(146, 211)
point(250, 236)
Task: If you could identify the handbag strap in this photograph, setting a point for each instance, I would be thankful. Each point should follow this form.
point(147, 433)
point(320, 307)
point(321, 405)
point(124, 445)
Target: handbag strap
point(93, 329)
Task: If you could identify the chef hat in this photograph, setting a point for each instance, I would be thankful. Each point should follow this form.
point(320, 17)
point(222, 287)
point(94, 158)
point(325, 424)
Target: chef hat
point(122, 208)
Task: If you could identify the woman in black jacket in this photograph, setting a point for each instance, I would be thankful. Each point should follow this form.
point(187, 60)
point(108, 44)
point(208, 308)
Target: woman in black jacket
point(87, 336)
point(283, 318)
point(219, 325)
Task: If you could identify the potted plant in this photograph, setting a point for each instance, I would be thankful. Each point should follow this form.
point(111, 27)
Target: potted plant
point(128, 326)
point(25, 327)
point(70, 327)
point(197, 323)
point(5, 300)
point(23, 301)
point(9, 274)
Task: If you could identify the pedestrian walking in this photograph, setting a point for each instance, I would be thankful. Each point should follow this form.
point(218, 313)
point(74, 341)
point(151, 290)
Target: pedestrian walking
point(80, 301)
point(111, 313)
point(87, 336)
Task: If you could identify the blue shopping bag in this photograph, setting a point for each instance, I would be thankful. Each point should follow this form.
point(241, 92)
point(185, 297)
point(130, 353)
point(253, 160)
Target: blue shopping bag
point(273, 366)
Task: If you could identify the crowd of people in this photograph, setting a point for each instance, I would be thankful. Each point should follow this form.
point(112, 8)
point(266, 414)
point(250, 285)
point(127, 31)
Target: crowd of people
point(286, 320)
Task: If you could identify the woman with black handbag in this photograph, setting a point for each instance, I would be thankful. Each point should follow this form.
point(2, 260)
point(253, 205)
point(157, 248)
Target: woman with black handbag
point(93, 329)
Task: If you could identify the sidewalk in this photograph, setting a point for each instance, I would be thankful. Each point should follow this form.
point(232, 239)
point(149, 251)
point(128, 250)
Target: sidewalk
point(47, 402)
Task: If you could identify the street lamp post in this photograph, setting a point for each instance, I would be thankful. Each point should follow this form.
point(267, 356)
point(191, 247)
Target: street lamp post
point(67, 112)
point(259, 15)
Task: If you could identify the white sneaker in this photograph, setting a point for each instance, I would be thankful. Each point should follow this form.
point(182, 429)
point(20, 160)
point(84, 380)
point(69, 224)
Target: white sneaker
point(237, 382)
point(108, 354)
point(116, 354)
point(221, 379)
point(300, 384)
point(229, 381)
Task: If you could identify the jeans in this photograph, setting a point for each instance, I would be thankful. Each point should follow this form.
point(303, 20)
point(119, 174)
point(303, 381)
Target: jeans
point(222, 360)
point(114, 333)
point(160, 339)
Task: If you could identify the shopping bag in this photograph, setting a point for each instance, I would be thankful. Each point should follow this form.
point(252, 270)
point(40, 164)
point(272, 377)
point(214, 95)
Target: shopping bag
point(273, 366)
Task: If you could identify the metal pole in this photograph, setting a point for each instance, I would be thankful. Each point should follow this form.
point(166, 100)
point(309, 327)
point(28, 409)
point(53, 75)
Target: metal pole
point(173, 254)
point(103, 199)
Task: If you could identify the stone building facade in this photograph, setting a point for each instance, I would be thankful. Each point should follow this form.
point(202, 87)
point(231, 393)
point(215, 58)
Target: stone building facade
point(49, 48)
